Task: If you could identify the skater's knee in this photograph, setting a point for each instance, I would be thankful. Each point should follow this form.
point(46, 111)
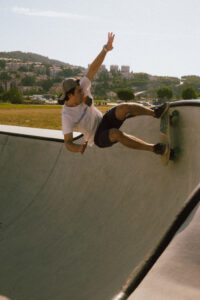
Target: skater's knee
point(122, 111)
point(115, 135)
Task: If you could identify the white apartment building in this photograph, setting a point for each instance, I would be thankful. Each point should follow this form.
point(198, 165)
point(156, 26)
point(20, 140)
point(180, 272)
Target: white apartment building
point(54, 71)
point(102, 68)
point(14, 66)
point(125, 70)
point(10, 59)
point(114, 68)
point(39, 67)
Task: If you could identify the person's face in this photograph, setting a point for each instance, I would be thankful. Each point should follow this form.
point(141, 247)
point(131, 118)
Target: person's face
point(78, 95)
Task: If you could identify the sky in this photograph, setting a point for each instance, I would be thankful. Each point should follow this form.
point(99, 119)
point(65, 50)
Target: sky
point(158, 37)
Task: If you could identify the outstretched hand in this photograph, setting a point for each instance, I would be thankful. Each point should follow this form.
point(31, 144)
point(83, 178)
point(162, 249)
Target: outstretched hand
point(109, 45)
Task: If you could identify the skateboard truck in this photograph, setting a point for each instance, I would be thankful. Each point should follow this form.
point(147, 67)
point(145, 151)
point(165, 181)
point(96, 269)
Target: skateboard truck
point(174, 152)
point(165, 136)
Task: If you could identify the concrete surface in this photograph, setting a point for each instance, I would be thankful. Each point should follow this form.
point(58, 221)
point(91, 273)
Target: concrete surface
point(176, 275)
point(88, 226)
point(46, 134)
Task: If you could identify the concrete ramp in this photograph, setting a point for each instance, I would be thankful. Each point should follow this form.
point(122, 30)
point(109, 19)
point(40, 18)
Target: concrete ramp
point(91, 226)
point(176, 274)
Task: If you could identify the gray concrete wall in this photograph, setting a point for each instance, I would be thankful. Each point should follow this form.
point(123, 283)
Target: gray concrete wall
point(77, 226)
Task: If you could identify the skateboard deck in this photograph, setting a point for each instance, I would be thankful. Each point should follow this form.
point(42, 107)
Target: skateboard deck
point(165, 135)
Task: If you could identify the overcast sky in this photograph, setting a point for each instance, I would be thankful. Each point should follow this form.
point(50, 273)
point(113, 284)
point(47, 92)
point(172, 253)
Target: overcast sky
point(159, 37)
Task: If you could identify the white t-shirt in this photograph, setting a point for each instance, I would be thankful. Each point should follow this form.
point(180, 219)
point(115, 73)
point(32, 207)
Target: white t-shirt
point(85, 118)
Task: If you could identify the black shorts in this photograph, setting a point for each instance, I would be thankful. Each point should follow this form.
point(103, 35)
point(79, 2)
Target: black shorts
point(109, 121)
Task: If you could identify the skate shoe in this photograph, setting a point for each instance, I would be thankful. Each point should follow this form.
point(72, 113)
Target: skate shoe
point(160, 110)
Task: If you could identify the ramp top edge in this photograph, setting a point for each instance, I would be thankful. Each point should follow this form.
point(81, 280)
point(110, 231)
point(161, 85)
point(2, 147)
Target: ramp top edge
point(36, 133)
point(184, 103)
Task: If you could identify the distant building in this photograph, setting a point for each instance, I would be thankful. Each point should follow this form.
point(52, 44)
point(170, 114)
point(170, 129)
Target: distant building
point(29, 88)
point(10, 59)
point(125, 70)
point(54, 71)
point(14, 65)
point(111, 94)
point(102, 68)
point(39, 67)
point(153, 78)
point(9, 83)
point(42, 77)
point(114, 68)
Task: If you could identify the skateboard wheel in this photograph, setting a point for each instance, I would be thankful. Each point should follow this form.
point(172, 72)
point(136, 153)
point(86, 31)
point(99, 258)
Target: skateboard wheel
point(177, 150)
point(174, 152)
point(175, 113)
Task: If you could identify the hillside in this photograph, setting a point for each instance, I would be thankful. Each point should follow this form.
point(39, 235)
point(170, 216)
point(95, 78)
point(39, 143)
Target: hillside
point(25, 57)
point(46, 77)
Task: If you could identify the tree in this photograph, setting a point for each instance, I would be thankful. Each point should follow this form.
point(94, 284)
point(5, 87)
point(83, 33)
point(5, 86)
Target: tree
point(140, 80)
point(68, 72)
point(125, 94)
point(189, 93)
point(1, 89)
point(46, 84)
point(99, 90)
point(47, 70)
point(23, 69)
point(28, 81)
point(191, 81)
point(164, 93)
point(2, 64)
point(4, 77)
point(13, 95)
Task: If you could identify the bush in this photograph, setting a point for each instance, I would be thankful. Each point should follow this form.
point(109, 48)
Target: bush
point(164, 93)
point(125, 94)
point(189, 93)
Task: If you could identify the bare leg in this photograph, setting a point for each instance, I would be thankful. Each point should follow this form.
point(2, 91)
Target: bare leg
point(130, 141)
point(124, 110)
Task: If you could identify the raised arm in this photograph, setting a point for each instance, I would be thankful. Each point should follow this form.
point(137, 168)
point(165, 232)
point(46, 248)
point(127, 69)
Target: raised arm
point(95, 65)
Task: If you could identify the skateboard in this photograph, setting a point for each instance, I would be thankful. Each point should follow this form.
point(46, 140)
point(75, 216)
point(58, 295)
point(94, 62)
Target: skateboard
point(165, 135)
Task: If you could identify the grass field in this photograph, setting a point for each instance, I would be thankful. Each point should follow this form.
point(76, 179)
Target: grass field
point(37, 116)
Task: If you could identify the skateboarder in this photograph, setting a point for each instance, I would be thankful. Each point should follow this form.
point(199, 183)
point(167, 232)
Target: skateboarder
point(79, 112)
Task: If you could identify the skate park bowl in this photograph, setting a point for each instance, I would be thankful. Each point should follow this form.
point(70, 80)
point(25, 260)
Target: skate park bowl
point(113, 223)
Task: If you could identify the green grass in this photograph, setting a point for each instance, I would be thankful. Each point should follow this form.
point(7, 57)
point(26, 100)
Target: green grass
point(25, 106)
point(36, 116)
